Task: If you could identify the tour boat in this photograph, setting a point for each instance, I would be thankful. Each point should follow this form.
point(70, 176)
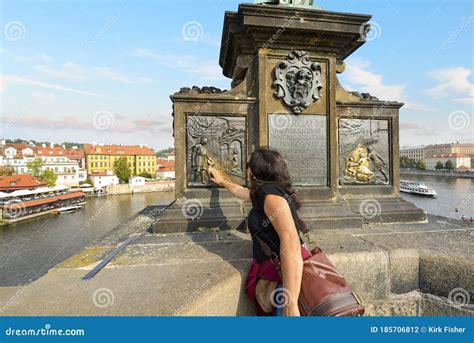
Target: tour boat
point(69, 209)
point(416, 188)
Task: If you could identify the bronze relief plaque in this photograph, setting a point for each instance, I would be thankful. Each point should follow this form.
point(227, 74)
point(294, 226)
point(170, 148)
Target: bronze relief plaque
point(302, 140)
point(215, 141)
point(364, 151)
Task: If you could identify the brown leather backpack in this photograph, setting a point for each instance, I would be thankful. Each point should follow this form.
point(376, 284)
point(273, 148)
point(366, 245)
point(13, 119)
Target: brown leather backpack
point(324, 291)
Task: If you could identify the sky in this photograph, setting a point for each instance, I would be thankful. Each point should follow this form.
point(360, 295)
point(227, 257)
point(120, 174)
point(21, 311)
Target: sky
point(103, 71)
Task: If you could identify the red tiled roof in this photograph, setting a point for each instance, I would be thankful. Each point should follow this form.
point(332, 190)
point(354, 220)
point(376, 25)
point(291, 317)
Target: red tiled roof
point(37, 202)
point(125, 150)
point(164, 162)
point(19, 146)
point(166, 169)
point(450, 155)
point(48, 151)
point(100, 173)
point(75, 154)
point(20, 181)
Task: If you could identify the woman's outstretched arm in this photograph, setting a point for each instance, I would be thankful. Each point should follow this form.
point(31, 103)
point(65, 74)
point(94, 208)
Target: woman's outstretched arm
point(236, 190)
point(278, 211)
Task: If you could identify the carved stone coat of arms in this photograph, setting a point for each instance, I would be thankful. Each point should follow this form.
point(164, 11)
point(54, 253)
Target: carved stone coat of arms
point(298, 81)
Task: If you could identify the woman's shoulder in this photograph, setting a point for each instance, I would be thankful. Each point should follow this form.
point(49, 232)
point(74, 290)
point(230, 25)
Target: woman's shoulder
point(270, 188)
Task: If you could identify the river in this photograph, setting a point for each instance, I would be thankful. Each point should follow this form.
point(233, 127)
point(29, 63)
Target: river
point(452, 193)
point(29, 249)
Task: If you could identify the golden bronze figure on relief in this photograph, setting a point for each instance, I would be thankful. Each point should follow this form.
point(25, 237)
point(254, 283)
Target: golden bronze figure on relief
point(362, 165)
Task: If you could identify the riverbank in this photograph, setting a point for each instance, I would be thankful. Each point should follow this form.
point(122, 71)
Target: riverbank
point(444, 173)
point(396, 269)
point(159, 186)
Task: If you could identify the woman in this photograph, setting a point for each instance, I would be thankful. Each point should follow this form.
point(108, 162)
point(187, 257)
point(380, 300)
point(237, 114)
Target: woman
point(271, 220)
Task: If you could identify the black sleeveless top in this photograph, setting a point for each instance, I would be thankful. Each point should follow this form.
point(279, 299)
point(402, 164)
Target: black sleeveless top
point(259, 224)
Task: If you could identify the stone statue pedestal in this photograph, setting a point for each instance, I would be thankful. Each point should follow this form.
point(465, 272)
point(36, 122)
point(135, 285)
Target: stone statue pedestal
point(341, 147)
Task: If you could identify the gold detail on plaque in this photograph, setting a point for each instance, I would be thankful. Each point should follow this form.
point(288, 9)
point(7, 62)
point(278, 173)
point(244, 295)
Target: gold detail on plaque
point(359, 166)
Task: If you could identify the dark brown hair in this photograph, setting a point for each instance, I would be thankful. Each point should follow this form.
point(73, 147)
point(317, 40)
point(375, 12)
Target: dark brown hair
point(268, 166)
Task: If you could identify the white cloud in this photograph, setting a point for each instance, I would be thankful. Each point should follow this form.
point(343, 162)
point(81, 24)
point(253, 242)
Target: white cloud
point(365, 80)
point(49, 96)
point(453, 82)
point(187, 63)
point(41, 57)
point(75, 72)
point(6, 80)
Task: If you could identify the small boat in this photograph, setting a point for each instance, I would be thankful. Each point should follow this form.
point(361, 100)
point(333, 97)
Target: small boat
point(418, 188)
point(69, 209)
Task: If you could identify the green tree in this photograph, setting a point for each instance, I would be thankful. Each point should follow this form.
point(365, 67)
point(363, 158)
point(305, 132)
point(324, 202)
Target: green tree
point(122, 169)
point(162, 153)
point(439, 165)
point(404, 162)
point(146, 175)
point(449, 165)
point(49, 177)
point(34, 167)
point(420, 164)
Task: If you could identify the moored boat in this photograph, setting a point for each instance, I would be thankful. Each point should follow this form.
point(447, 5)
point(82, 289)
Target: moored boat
point(69, 209)
point(412, 187)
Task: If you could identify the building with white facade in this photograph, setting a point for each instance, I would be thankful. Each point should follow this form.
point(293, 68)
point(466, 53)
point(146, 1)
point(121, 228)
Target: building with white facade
point(17, 156)
point(460, 162)
point(413, 152)
point(165, 169)
point(56, 158)
point(103, 179)
point(136, 181)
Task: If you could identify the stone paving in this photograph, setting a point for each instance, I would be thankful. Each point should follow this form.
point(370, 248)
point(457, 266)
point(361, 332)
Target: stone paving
point(390, 266)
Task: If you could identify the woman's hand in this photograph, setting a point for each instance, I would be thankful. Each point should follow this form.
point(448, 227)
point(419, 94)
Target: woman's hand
point(216, 177)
